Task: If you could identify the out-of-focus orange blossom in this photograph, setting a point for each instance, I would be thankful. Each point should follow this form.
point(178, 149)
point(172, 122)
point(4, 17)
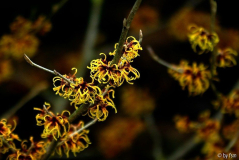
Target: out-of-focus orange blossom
point(136, 101)
point(118, 135)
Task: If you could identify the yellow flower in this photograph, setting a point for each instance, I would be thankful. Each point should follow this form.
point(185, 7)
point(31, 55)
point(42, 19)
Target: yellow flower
point(125, 69)
point(195, 78)
point(6, 134)
point(52, 123)
point(37, 148)
point(102, 71)
point(62, 87)
point(99, 108)
point(74, 140)
point(130, 49)
point(226, 57)
point(79, 92)
point(200, 37)
point(84, 92)
point(34, 152)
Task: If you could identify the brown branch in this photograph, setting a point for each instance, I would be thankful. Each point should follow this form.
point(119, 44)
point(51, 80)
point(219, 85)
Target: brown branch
point(45, 69)
point(162, 62)
point(126, 26)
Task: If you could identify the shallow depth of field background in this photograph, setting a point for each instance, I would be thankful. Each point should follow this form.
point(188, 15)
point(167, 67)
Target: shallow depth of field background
point(164, 25)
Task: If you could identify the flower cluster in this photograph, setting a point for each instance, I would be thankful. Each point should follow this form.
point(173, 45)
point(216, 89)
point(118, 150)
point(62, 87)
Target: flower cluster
point(115, 74)
point(78, 91)
point(200, 37)
point(34, 152)
point(195, 78)
point(98, 109)
point(76, 140)
point(7, 137)
point(207, 129)
point(23, 37)
point(53, 124)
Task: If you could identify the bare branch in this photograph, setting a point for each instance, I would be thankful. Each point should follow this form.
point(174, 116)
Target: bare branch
point(45, 69)
point(162, 62)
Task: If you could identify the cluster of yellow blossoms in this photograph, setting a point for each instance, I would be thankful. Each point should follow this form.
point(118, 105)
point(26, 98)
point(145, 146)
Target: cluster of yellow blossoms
point(80, 92)
point(34, 152)
point(72, 137)
point(74, 140)
point(195, 78)
point(104, 72)
point(52, 123)
point(6, 136)
point(204, 41)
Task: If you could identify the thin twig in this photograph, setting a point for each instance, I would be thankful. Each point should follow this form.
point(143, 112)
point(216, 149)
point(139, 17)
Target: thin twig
point(126, 26)
point(33, 92)
point(45, 69)
point(162, 62)
point(79, 130)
